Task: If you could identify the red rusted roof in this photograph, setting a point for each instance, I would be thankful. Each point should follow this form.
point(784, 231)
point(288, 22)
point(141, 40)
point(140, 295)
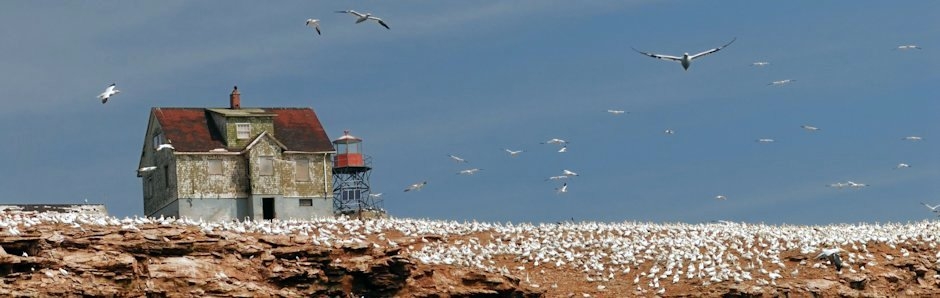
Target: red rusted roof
point(192, 129)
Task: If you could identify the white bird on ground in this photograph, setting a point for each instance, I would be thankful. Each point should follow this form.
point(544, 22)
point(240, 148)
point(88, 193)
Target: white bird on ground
point(469, 171)
point(556, 142)
point(913, 138)
point(569, 173)
point(686, 59)
point(514, 153)
point(165, 146)
point(616, 112)
point(932, 208)
point(315, 24)
point(902, 166)
point(809, 127)
point(832, 255)
point(457, 158)
point(909, 47)
point(563, 149)
point(765, 141)
point(562, 189)
point(416, 186)
point(760, 63)
point(362, 17)
point(108, 92)
point(375, 195)
point(146, 169)
point(781, 82)
point(669, 132)
point(721, 197)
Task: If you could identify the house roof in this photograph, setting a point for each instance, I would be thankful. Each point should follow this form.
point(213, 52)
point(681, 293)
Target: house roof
point(192, 129)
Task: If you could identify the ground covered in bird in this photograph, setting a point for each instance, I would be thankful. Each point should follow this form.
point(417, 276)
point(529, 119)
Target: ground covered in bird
point(74, 254)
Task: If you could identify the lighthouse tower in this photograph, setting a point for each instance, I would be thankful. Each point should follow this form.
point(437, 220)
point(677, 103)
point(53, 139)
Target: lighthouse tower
point(351, 179)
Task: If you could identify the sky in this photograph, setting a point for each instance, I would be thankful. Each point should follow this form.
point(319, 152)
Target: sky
point(472, 78)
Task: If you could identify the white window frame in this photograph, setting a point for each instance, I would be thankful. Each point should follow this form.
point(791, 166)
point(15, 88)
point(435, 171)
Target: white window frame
point(242, 131)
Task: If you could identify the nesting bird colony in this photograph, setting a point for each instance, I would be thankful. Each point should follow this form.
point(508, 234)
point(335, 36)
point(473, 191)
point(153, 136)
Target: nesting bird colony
point(627, 257)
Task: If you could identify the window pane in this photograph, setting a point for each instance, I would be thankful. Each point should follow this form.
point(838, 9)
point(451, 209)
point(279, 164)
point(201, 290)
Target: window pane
point(215, 167)
point(243, 130)
point(302, 170)
point(266, 165)
point(306, 202)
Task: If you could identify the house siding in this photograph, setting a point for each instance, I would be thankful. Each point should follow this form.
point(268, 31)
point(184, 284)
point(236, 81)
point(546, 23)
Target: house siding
point(259, 124)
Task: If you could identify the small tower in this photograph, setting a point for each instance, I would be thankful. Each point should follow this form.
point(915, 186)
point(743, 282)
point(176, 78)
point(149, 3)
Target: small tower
point(351, 179)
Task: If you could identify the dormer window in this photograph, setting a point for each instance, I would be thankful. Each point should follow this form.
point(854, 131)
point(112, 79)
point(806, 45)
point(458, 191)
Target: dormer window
point(242, 131)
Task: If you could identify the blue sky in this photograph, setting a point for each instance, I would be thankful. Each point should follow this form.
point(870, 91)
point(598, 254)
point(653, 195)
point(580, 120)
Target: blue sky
point(473, 77)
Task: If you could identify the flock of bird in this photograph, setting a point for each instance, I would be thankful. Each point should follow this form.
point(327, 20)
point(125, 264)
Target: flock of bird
point(645, 257)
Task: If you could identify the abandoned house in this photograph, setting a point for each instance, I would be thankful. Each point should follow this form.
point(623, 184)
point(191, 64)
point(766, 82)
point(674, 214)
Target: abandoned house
point(236, 163)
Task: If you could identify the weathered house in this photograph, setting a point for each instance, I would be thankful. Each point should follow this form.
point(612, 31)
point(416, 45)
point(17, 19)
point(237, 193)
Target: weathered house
point(236, 163)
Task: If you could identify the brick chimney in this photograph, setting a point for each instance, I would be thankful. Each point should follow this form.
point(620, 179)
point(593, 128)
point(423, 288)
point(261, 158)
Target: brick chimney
point(235, 99)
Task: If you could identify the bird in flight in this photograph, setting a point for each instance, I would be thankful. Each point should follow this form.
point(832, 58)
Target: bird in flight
point(669, 132)
point(416, 186)
point(909, 47)
point(556, 142)
point(146, 169)
point(932, 208)
point(902, 166)
point(457, 158)
point(809, 127)
point(360, 17)
point(108, 92)
point(165, 146)
point(469, 171)
point(913, 138)
point(833, 256)
point(855, 185)
point(781, 82)
point(616, 112)
point(838, 185)
point(569, 173)
point(563, 149)
point(562, 189)
point(514, 153)
point(765, 141)
point(760, 63)
point(315, 24)
point(375, 195)
point(721, 197)
point(556, 177)
point(686, 59)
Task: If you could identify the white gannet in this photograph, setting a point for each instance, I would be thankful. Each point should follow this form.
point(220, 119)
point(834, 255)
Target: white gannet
point(469, 171)
point(764, 141)
point(832, 255)
point(902, 166)
point(360, 17)
point(563, 149)
point(563, 188)
point(781, 82)
point(457, 158)
point(556, 142)
point(838, 185)
point(686, 59)
point(514, 153)
point(108, 92)
point(375, 195)
point(809, 127)
point(557, 177)
point(913, 138)
point(146, 169)
point(616, 112)
point(669, 132)
point(569, 173)
point(721, 197)
point(760, 63)
point(856, 185)
point(165, 146)
point(315, 24)
point(416, 186)
point(908, 47)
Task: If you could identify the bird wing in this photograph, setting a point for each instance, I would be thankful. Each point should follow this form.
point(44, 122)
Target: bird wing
point(356, 13)
point(318, 29)
point(658, 56)
point(712, 50)
point(381, 22)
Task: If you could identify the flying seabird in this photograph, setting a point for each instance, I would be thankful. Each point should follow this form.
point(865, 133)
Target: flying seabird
point(932, 208)
point(363, 17)
point(616, 112)
point(557, 177)
point(765, 141)
point(165, 146)
point(760, 63)
point(686, 59)
point(569, 173)
point(721, 197)
point(809, 127)
point(838, 185)
point(902, 166)
point(913, 138)
point(669, 132)
point(781, 82)
point(108, 92)
point(315, 24)
point(856, 185)
point(375, 195)
point(563, 149)
point(469, 171)
point(457, 158)
point(833, 256)
point(556, 142)
point(514, 153)
point(908, 47)
point(563, 188)
point(416, 186)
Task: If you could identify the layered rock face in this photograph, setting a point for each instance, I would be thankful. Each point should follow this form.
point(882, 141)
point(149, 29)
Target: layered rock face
point(182, 261)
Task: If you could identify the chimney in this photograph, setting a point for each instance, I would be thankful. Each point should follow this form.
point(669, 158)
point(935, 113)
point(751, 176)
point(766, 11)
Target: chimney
point(235, 99)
